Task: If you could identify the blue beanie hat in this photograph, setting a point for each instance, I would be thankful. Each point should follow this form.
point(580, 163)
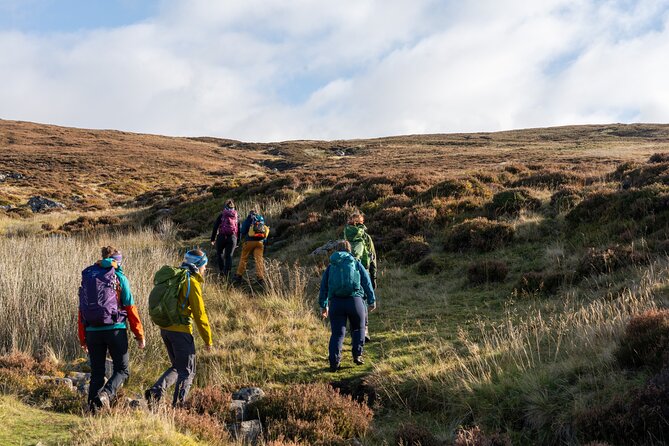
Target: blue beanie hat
point(192, 258)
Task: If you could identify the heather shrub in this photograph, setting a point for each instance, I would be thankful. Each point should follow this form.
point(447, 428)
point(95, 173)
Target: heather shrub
point(511, 202)
point(412, 249)
point(645, 175)
point(515, 169)
point(475, 437)
point(645, 342)
point(377, 191)
point(57, 397)
point(398, 201)
point(548, 178)
point(209, 401)
point(428, 266)
point(487, 271)
point(204, 427)
point(410, 434)
point(24, 363)
point(17, 381)
point(659, 158)
point(565, 199)
point(479, 234)
point(420, 217)
point(605, 261)
point(390, 239)
point(457, 189)
point(534, 282)
point(313, 413)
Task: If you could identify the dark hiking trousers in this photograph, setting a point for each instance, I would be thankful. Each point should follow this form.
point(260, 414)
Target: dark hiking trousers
point(351, 309)
point(225, 247)
point(181, 350)
point(99, 342)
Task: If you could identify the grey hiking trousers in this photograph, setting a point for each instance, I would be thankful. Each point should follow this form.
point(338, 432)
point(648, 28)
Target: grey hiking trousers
point(181, 350)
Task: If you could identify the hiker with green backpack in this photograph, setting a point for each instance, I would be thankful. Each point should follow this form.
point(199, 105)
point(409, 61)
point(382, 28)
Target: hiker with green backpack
point(174, 303)
point(346, 292)
point(362, 248)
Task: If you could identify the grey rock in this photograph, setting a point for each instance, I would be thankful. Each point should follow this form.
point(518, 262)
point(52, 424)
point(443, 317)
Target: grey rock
point(6, 207)
point(67, 382)
point(79, 377)
point(326, 249)
point(238, 409)
point(137, 404)
point(248, 432)
point(249, 394)
point(340, 153)
point(41, 204)
point(11, 176)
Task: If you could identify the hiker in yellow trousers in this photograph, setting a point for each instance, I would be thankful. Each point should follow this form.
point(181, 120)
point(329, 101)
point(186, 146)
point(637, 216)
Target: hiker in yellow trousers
point(255, 232)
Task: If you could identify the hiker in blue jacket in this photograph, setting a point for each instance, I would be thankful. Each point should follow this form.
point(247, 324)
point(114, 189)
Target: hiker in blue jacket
point(345, 290)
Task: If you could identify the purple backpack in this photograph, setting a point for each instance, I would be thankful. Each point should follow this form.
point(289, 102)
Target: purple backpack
point(228, 224)
point(98, 300)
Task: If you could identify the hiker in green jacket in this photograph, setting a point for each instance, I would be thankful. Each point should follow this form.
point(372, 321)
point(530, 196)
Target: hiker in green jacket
point(362, 248)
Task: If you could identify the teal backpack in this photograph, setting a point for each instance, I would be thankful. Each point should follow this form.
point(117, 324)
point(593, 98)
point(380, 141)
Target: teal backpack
point(164, 307)
point(343, 277)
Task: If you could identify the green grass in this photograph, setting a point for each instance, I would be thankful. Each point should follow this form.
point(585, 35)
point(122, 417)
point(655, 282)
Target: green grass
point(24, 425)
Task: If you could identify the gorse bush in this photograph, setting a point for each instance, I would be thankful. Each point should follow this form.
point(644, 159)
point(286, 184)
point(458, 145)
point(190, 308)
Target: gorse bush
point(478, 234)
point(314, 413)
point(645, 342)
point(487, 271)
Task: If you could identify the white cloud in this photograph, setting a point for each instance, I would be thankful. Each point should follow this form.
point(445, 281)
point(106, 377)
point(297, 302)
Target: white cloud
point(270, 69)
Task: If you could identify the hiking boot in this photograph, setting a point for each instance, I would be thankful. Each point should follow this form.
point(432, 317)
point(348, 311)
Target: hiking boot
point(367, 338)
point(101, 401)
point(237, 280)
point(334, 367)
point(359, 360)
point(151, 399)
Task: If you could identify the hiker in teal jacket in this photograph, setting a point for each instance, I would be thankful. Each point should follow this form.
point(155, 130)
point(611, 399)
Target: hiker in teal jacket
point(346, 291)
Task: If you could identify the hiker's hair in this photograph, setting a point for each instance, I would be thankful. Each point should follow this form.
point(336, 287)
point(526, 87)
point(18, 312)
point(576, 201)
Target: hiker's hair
point(229, 203)
point(108, 251)
point(196, 251)
point(343, 245)
point(356, 218)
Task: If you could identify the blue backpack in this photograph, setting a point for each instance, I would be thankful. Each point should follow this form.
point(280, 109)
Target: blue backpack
point(98, 299)
point(343, 277)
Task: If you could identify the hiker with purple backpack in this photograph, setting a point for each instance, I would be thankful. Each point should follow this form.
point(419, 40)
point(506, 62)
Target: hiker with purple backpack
point(224, 237)
point(105, 306)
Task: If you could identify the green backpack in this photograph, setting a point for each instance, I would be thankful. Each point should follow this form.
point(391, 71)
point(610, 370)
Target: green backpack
point(358, 238)
point(164, 308)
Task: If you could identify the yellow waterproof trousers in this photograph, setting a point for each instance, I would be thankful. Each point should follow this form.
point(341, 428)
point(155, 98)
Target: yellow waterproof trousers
point(257, 248)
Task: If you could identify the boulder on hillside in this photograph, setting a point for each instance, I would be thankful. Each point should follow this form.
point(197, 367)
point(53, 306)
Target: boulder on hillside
point(41, 204)
point(326, 249)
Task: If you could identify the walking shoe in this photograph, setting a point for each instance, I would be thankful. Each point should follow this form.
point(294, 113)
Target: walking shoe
point(334, 367)
point(359, 360)
point(237, 280)
point(101, 401)
point(151, 399)
point(367, 338)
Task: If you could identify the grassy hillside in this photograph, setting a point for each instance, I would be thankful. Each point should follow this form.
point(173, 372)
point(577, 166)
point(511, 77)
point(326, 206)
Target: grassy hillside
point(511, 265)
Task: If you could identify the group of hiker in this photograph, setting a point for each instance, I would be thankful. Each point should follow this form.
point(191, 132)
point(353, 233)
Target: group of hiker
point(107, 307)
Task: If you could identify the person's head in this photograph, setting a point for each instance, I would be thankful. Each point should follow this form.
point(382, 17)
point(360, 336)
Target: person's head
point(253, 212)
point(230, 204)
point(356, 219)
point(198, 258)
point(109, 252)
point(343, 245)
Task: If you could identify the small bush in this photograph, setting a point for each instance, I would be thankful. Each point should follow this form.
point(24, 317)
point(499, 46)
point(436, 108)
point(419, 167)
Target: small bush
point(479, 234)
point(605, 261)
point(565, 199)
point(548, 178)
point(204, 427)
point(457, 189)
point(313, 413)
point(209, 401)
point(17, 382)
point(515, 169)
point(534, 282)
point(475, 437)
point(487, 271)
point(428, 266)
point(420, 218)
point(413, 249)
point(646, 341)
point(57, 397)
point(413, 435)
point(511, 202)
point(25, 363)
point(659, 158)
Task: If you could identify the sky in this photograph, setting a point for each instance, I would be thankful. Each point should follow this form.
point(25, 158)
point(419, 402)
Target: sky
point(270, 70)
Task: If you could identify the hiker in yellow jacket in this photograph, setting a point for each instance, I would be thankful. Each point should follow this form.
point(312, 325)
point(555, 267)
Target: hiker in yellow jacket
point(178, 338)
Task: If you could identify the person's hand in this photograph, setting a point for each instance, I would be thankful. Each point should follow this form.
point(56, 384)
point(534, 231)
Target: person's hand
point(324, 313)
point(84, 347)
point(213, 243)
point(372, 307)
point(141, 343)
point(208, 348)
